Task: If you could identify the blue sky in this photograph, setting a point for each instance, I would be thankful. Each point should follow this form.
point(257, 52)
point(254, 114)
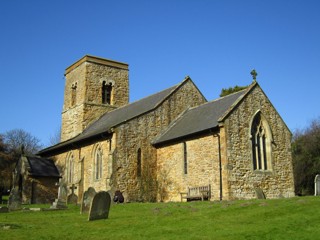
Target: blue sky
point(216, 43)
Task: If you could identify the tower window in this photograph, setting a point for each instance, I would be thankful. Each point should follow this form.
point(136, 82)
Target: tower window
point(73, 94)
point(261, 143)
point(106, 92)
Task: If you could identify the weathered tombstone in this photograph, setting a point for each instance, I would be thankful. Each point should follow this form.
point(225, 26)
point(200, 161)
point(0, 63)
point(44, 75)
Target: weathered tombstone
point(87, 199)
point(259, 193)
point(72, 198)
point(4, 210)
point(60, 202)
point(100, 206)
point(317, 185)
point(14, 202)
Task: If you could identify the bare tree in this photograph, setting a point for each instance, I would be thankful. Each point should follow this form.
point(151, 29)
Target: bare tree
point(16, 138)
point(6, 167)
point(55, 138)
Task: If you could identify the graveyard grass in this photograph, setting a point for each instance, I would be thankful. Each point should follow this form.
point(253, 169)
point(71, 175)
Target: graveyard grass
point(294, 218)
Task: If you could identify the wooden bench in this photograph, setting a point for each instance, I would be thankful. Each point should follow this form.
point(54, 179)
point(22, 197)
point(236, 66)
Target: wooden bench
point(197, 193)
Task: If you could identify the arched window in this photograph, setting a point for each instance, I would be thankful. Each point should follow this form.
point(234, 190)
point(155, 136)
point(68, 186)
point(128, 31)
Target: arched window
point(185, 158)
point(98, 163)
point(139, 162)
point(70, 168)
point(106, 92)
point(261, 139)
point(73, 94)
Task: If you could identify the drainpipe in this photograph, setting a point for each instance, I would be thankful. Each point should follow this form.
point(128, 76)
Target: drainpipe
point(220, 165)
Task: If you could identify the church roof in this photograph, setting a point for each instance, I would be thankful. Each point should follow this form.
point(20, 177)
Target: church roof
point(201, 118)
point(118, 116)
point(42, 167)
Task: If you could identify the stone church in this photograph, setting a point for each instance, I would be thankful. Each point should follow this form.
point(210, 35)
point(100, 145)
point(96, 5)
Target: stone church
point(155, 148)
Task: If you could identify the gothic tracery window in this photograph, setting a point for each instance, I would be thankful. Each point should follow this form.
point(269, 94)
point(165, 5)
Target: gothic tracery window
point(106, 92)
point(261, 143)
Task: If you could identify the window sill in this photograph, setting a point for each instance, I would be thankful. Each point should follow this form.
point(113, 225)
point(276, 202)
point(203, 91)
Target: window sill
point(265, 172)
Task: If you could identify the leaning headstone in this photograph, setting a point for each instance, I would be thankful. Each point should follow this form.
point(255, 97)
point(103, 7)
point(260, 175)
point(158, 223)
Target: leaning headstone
point(100, 206)
point(317, 185)
point(87, 199)
point(14, 202)
point(4, 210)
point(60, 202)
point(259, 193)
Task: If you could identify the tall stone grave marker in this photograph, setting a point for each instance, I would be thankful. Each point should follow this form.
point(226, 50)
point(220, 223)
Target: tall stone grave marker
point(87, 199)
point(14, 202)
point(60, 202)
point(317, 185)
point(100, 206)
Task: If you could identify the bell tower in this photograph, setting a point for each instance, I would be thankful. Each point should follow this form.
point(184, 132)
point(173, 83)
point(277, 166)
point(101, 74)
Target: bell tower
point(93, 86)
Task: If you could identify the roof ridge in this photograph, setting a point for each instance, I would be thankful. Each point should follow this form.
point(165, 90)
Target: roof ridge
point(246, 91)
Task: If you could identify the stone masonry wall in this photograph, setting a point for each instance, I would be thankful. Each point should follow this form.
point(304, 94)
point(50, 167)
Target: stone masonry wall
point(139, 133)
point(203, 167)
point(120, 164)
point(242, 179)
point(39, 190)
point(88, 78)
point(84, 167)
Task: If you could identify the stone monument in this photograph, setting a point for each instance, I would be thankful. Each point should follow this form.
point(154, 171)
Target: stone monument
point(87, 199)
point(14, 202)
point(100, 206)
point(72, 198)
point(60, 202)
point(317, 185)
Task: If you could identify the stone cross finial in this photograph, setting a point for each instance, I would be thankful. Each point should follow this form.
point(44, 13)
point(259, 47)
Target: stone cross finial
point(254, 74)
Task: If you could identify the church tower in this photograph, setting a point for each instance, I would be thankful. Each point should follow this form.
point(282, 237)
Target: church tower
point(93, 86)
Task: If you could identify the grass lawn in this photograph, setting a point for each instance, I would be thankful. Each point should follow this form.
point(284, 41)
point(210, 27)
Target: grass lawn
point(295, 218)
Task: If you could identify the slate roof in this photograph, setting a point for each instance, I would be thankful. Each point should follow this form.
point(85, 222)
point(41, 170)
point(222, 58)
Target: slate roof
point(42, 167)
point(118, 116)
point(201, 118)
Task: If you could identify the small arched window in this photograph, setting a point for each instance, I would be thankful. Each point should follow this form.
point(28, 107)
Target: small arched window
point(139, 162)
point(185, 158)
point(261, 139)
point(73, 94)
point(106, 92)
point(98, 163)
point(70, 168)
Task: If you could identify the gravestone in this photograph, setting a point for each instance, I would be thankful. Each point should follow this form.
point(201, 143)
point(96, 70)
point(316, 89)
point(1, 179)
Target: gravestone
point(4, 210)
point(259, 193)
point(14, 202)
point(100, 206)
point(87, 199)
point(60, 202)
point(72, 198)
point(317, 185)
